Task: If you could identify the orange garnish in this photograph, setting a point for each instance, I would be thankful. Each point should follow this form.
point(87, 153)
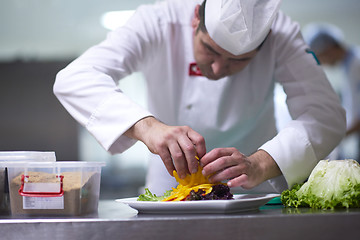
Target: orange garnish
point(191, 182)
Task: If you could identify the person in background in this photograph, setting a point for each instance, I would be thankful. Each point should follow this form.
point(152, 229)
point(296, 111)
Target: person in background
point(327, 42)
point(210, 68)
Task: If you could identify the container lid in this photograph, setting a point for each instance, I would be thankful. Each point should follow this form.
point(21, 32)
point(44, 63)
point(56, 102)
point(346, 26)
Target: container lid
point(58, 164)
point(23, 156)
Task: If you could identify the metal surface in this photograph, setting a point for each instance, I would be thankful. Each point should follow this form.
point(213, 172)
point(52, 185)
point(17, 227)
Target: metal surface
point(117, 221)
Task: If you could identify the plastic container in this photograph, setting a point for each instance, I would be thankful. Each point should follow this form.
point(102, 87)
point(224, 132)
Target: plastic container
point(17, 156)
point(27, 156)
point(54, 188)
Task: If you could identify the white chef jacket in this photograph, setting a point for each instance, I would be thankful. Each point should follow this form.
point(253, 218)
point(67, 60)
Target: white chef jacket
point(236, 111)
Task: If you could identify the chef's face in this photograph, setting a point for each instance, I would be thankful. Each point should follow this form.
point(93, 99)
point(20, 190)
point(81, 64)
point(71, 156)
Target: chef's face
point(330, 56)
point(214, 61)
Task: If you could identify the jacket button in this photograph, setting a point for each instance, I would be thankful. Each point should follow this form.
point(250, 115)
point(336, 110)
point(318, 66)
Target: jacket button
point(188, 107)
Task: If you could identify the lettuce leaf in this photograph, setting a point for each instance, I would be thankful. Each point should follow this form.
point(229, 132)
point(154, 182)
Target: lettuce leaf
point(148, 196)
point(331, 184)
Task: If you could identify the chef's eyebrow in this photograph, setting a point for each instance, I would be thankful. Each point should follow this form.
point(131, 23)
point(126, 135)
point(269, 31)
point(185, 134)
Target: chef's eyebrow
point(241, 59)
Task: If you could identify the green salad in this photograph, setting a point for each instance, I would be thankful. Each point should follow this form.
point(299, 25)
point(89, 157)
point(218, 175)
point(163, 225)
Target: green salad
point(331, 184)
point(148, 196)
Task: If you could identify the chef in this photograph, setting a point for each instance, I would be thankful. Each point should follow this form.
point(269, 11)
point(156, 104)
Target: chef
point(328, 42)
point(210, 70)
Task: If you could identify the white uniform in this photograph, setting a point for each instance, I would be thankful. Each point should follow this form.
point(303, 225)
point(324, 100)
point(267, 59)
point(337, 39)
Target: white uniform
point(236, 111)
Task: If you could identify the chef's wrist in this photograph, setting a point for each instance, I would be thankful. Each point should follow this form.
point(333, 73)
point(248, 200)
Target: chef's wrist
point(139, 129)
point(267, 166)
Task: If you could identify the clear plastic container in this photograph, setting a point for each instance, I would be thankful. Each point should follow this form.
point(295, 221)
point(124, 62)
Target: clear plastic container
point(54, 188)
point(17, 156)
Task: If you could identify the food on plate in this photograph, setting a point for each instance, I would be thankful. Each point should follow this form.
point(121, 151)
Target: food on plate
point(331, 184)
point(193, 187)
point(151, 197)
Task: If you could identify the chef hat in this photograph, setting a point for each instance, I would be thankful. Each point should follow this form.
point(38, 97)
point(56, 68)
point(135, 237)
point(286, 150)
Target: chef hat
point(320, 36)
point(240, 26)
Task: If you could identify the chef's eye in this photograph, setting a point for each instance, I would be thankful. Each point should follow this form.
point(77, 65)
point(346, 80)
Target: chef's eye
point(242, 60)
point(209, 49)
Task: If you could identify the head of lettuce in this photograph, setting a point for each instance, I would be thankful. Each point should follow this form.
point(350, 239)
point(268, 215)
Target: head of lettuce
point(331, 184)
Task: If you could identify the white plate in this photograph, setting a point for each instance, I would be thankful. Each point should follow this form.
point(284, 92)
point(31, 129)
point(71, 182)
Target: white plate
point(241, 203)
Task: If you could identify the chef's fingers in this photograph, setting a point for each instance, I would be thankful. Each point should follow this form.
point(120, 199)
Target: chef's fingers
point(198, 141)
point(165, 156)
point(178, 159)
point(227, 173)
point(190, 153)
point(241, 181)
point(222, 165)
point(215, 154)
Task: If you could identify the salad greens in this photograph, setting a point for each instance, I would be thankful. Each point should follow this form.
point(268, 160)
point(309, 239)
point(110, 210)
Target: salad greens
point(148, 196)
point(331, 184)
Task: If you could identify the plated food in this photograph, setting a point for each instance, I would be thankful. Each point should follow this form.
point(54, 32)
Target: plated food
point(184, 199)
point(192, 188)
point(241, 203)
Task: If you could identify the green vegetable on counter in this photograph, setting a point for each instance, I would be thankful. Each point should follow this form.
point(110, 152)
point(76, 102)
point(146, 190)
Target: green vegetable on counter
point(331, 184)
point(148, 196)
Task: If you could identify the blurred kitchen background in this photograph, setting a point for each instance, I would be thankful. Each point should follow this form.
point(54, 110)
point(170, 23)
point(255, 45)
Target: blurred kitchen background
point(40, 37)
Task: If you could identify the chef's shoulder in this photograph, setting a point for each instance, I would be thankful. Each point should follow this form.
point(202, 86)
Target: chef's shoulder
point(286, 37)
point(284, 25)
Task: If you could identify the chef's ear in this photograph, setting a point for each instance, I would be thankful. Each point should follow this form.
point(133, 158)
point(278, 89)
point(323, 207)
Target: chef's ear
point(196, 20)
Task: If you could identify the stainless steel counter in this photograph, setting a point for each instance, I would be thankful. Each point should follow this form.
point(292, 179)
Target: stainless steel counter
point(118, 221)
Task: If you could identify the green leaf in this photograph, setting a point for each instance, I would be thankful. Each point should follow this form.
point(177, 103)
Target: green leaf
point(331, 184)
point(148, 196)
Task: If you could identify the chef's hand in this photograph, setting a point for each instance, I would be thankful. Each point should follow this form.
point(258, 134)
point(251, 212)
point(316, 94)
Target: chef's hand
point(176, 145)
point(239, 170)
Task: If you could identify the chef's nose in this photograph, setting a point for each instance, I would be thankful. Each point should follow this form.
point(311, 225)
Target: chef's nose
point(219, 67)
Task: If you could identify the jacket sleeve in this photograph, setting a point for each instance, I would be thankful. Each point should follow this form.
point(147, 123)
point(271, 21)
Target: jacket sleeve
point(318, 123)
point(88, 89)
